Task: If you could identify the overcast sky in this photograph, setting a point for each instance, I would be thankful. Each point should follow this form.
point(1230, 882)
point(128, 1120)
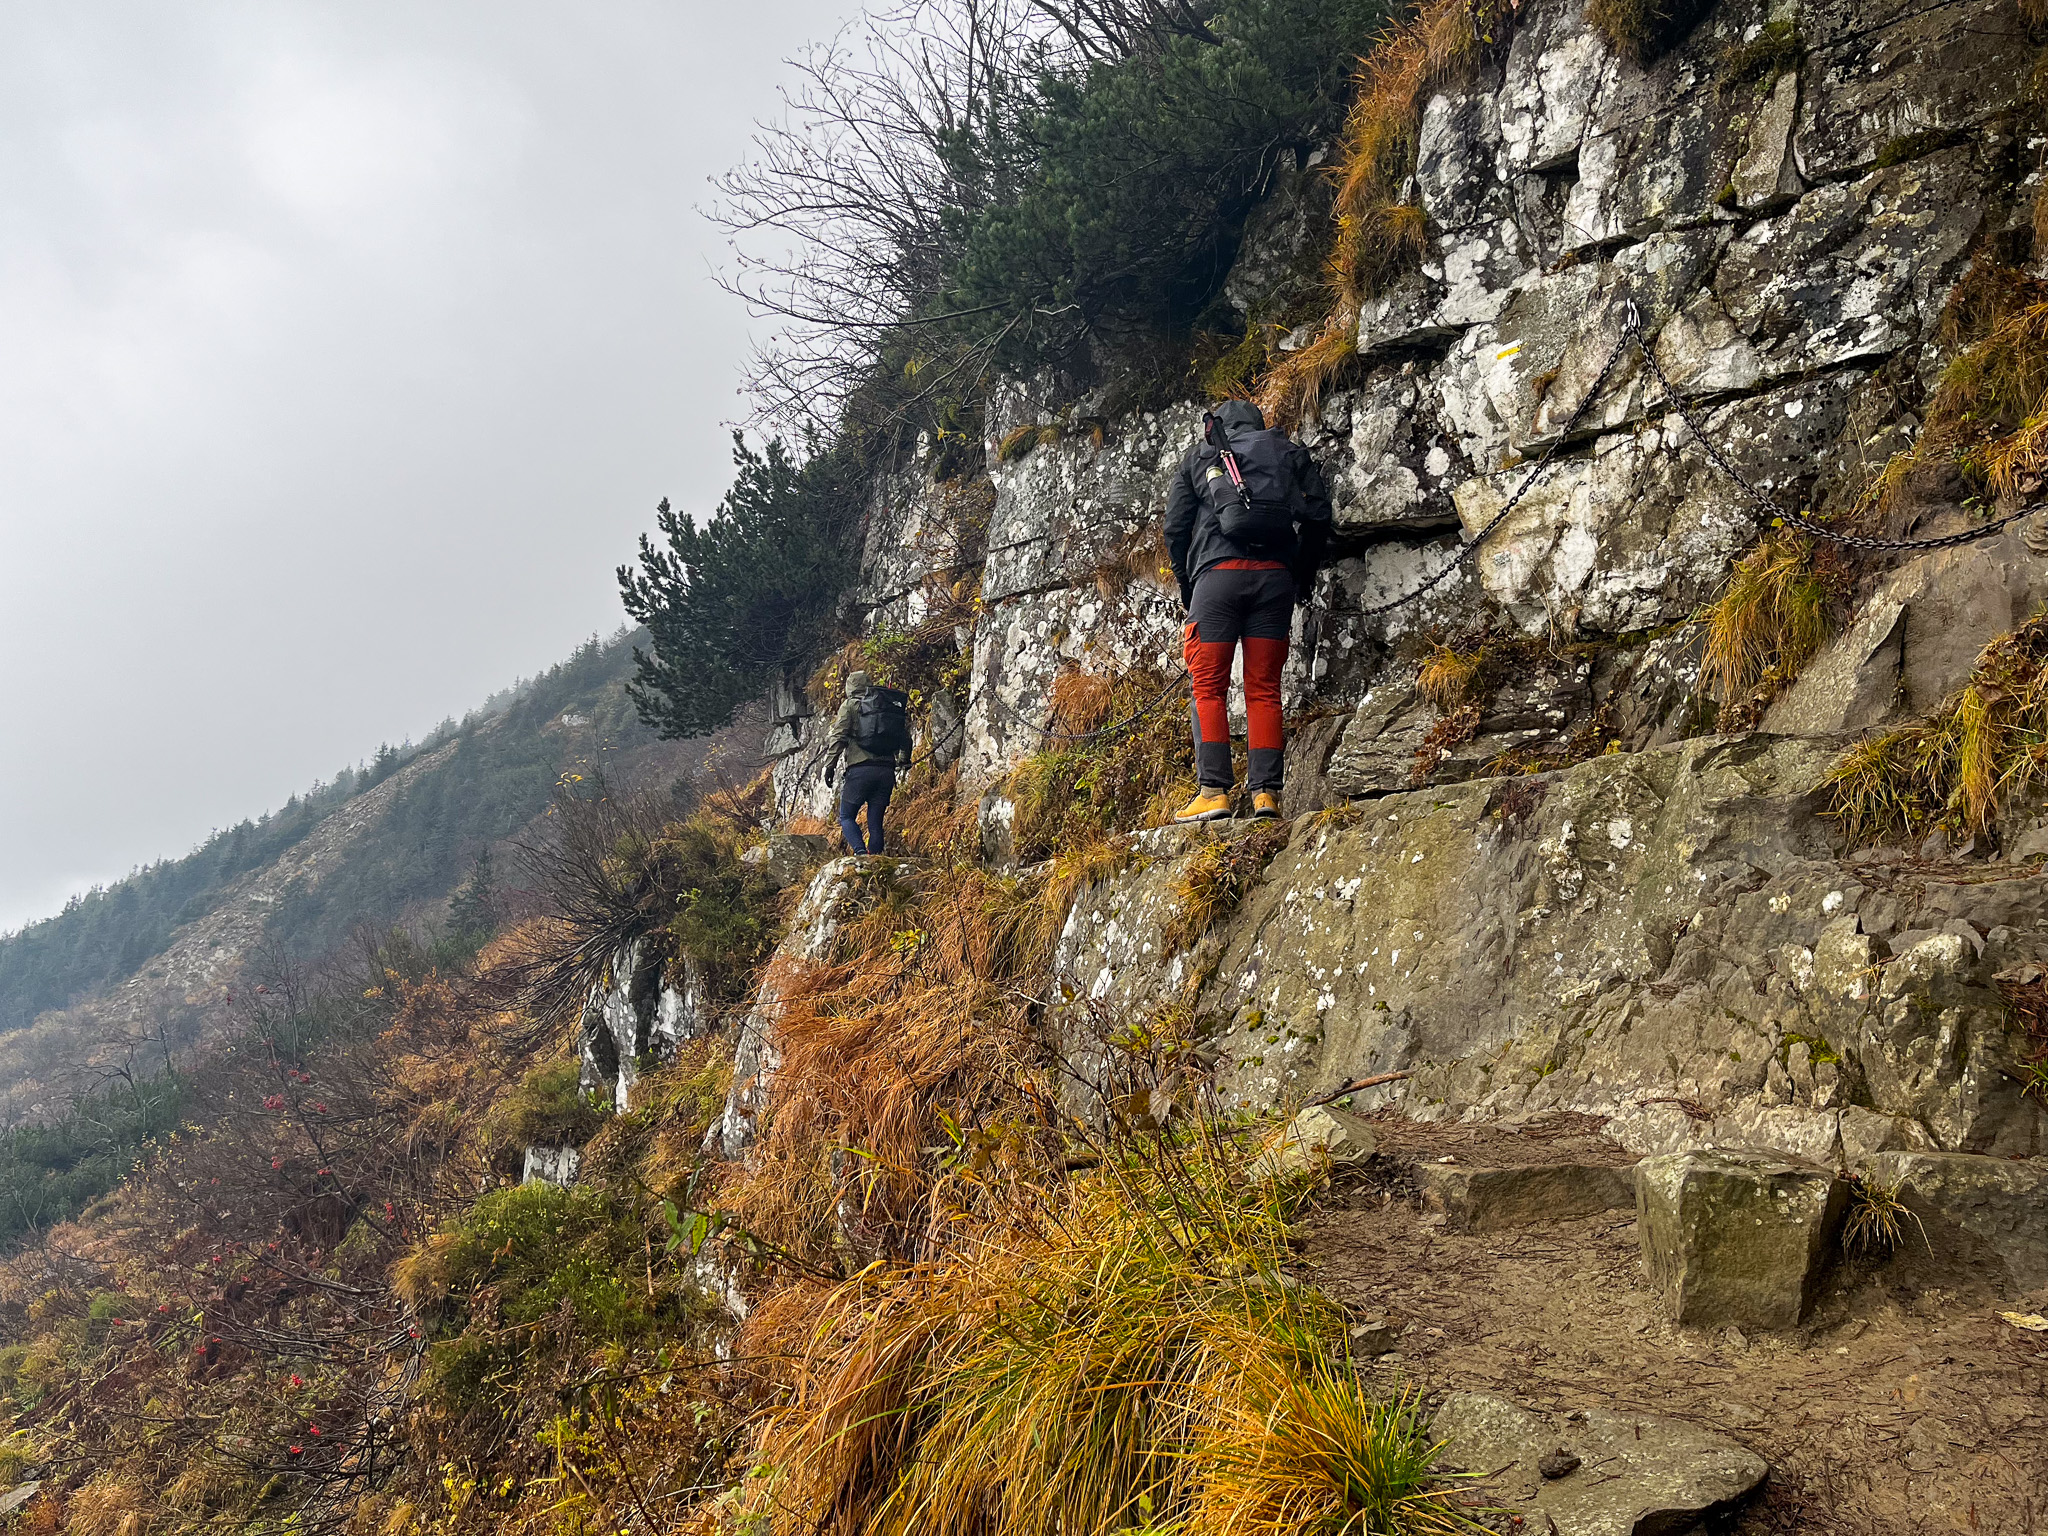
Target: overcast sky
point(344, 351)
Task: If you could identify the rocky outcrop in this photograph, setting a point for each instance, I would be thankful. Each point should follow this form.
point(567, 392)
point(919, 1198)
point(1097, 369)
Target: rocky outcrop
point(756, 1054)
point(1666, 938)
point(551, 1165)
point(636, 1019)
point(1786, 199)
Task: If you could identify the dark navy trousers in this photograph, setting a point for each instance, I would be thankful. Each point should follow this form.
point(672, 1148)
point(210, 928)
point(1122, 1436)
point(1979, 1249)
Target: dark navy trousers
point(870, 785)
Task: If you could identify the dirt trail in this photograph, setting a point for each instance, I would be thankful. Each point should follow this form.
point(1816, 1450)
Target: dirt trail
point(1901, 1407)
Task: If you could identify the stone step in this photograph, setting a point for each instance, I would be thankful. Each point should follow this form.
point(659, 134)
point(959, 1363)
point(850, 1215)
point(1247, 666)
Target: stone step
point(1488, 1199)
point(1731, 1235)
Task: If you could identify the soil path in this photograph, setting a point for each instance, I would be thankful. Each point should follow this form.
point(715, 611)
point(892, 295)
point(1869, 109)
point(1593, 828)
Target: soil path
point(1901, 1407)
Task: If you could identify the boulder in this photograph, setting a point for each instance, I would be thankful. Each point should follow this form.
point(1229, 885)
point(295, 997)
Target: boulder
point(1985, 1219)
point(1488, 1199)
point(1316, 1140)
point(1736, 1236)
point(1596, 1473)
point(787, 856)
point(1374, 1337)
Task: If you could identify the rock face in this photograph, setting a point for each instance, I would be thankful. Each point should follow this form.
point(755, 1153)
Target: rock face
point(1736, 1237)
point(1666, 938)
point(1658, 926)
point(636, 1020)
point(1980, 1220)
point(787, 857)
point(1619, 1474)
point(551, 1165)
point(756, 1054)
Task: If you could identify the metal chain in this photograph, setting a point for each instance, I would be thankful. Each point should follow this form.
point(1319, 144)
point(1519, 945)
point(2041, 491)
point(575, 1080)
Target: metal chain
point(1631, 329)
point(987, 691)
point(1771, 512)
point(1172, 686)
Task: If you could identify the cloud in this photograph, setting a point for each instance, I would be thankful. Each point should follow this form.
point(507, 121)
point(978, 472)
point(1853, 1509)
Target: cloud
point(349, 347)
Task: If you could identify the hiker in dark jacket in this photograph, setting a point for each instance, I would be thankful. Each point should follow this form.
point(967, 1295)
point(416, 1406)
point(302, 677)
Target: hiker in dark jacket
point(1247, 521)
point(870, 775)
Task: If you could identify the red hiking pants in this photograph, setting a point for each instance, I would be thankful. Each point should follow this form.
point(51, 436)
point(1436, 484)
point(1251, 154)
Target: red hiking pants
point(1250, 602)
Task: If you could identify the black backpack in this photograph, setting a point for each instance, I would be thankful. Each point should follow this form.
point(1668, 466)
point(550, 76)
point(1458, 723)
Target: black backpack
point(882, 728)
point(1255, 492)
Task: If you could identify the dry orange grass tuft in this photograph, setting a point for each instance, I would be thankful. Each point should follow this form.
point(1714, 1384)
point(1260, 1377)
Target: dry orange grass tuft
point(1080, 700)
point(1124, 1356)
point(1380, 233)
point(929, 819)
point(115, 1501)
point(908, 1029)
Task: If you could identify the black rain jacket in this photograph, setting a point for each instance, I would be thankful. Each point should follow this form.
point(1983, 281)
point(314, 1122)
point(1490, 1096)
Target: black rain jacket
point(1194, 542)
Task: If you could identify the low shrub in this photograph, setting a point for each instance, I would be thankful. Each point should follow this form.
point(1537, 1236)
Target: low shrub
point(531, 1271)
point(547, 1108)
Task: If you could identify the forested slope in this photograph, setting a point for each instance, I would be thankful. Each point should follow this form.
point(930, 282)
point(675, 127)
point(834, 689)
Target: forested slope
point(138, 968)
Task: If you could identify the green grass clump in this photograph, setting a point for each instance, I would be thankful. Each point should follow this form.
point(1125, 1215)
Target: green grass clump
point(1876, 1219)
point(1774, 51)
point(1640, 30)
point(1778, 608)
point(529, 1270)
point(548, 1108)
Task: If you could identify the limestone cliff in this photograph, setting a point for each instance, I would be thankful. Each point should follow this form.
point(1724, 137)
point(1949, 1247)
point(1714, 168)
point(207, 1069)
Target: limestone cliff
point(1658, 927)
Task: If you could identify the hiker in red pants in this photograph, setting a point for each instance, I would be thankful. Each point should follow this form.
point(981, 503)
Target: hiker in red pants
point(1247, 522)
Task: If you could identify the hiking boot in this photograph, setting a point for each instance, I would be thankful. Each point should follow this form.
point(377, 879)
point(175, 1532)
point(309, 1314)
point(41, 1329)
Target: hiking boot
point(1209, 805)
point(1266, 807)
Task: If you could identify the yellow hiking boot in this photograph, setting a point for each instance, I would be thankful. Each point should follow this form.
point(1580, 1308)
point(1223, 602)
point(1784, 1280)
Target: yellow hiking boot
point(1209, 805)
point(1265, 807)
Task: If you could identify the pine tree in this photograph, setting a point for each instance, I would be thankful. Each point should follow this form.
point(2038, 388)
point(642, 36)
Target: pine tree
point(473, 910)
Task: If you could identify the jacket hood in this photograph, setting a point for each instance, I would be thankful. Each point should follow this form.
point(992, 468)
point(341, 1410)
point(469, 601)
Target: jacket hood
point(858, 683)
point(1238, 416)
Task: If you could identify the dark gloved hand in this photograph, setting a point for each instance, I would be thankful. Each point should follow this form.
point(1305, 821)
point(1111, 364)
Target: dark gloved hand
point(830, 770)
